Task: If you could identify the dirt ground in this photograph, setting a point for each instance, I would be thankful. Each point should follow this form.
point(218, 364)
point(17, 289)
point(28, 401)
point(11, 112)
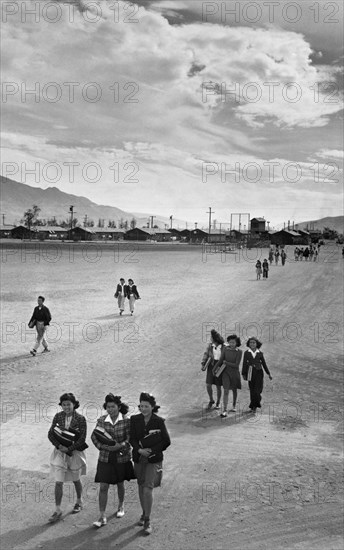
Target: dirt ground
point(274, 480)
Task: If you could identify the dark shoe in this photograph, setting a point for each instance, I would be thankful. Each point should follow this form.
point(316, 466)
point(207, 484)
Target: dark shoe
point(33, 352)
point(46, 350)
point(77, 508)
point(210, 404)
point(217, 406)
point(224, 414)
point(55, 517)
point(141, 521)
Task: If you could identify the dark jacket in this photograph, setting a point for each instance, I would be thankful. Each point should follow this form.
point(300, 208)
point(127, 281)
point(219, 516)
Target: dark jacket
point(119, 290)
point(257, 362)
point(132, 290)
point(138, 430)
point(41, 314)
point(78, 425)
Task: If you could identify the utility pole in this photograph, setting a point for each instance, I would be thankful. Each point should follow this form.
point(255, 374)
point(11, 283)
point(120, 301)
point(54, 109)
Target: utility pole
point(210, 213)
point(71, 209)
point(171, 218)
point(3, 219)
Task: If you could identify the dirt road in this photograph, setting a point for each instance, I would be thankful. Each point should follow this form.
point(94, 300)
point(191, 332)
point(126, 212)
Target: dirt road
point(264, 482)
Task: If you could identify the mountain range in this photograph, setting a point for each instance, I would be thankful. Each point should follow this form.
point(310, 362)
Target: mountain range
point(17, 197)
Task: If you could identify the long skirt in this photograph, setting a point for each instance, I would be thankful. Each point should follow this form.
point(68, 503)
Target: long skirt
point(256, 388)
point(67, 468)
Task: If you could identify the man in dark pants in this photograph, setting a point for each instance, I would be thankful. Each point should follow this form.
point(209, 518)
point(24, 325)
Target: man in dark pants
point(40, 319)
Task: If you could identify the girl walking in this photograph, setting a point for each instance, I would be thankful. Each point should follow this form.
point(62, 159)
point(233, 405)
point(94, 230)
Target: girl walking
point(253, 369)
point(68, 461)
point(132, 295)
point(149, 438)
point(211, 356)
point(114, 462)
point(283, 257)
point(258, 269)
point(265, 269)
point(231, 356)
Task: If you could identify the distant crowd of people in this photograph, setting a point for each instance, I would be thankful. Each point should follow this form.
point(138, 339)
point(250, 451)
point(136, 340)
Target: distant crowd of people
point(308, 253)
point(221, 361)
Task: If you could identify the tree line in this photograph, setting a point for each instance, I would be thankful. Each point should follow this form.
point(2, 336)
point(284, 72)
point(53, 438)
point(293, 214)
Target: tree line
point(31, 219)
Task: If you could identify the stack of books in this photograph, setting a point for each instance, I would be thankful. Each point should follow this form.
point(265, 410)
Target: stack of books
point(64, 437)
point(103, 436)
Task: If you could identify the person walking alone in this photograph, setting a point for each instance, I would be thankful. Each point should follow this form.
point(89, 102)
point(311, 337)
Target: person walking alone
point(40, 319)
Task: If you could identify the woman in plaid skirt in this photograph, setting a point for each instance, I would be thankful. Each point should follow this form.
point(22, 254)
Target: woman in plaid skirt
point(114, 462)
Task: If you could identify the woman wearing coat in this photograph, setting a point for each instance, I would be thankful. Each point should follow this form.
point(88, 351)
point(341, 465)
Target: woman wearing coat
point(114, 462)
point(132, 295)
point(231, 356)
point(253, 369)
point(149, 438)
point(68, 461)
point(210, 357)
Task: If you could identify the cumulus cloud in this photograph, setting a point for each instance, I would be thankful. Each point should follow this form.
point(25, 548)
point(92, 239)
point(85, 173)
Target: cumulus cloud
point(108, 87)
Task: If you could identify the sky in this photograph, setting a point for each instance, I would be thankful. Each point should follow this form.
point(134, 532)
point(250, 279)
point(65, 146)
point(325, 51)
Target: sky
point(174, 107)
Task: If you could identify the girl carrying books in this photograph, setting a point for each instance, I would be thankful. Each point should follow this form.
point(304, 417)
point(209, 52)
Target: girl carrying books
point(210, 357)
point(111, 437)
point(149, 438)
point(230, 357)
point(253, 369)
point(68, 461)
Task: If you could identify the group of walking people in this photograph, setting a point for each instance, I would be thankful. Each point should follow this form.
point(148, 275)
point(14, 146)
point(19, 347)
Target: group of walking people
point(309, 253)
point(41, 316)
point(129, 448)
point(276, 255)
point(221, 361)
point(128, 291)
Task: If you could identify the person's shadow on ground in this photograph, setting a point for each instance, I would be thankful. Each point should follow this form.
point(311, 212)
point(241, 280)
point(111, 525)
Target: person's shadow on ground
point(83, 539)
